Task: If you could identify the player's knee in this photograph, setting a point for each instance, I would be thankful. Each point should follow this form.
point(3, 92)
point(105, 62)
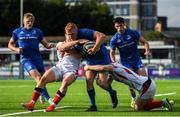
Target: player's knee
point(136, 107)
point(89, 81)
point(43, 81)
point(101, 83)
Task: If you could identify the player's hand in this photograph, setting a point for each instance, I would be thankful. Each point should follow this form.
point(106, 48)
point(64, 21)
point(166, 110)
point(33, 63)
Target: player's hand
point(92, 51)
point(147, 53)
point(86, 67)
point(19, 50)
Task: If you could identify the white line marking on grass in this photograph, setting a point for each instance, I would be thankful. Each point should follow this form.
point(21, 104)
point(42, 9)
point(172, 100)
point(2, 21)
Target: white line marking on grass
point(173, 93)
point(25, 112)
point(19, 86)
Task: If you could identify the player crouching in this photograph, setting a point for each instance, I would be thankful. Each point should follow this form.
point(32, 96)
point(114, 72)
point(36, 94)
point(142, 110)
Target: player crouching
point(144, 85)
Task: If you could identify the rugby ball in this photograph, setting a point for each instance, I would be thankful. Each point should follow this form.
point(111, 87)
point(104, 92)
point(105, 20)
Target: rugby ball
point(88, 45)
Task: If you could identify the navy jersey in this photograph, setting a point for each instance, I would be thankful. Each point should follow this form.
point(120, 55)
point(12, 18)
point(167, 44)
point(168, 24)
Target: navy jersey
point(126, 44)
point(28, 40)
point(102, 56)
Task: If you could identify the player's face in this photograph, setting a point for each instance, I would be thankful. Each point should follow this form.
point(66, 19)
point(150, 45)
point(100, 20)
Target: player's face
point(28, 23)
point(71, 35)
point(120, 27)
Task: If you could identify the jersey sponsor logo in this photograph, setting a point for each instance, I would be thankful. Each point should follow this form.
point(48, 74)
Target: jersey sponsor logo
point(27, 37)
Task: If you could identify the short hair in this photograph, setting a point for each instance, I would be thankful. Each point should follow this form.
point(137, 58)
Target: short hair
point(29, 15)
point(70, 26)
point(118, 20)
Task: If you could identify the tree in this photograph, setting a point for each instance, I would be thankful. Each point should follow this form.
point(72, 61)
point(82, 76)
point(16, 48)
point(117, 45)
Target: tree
point(154, 35)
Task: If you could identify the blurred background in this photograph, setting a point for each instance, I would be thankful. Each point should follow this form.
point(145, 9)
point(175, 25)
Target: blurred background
point(52, 16)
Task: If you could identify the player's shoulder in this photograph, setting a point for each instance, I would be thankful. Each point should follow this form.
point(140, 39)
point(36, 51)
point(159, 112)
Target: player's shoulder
point(85, 29)
point(17, 29)
point(36, 29)
point(131, 31)
point(116, 36)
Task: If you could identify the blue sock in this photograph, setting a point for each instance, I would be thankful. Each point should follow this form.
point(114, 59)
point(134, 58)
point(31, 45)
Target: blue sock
point(45, 93)
point(110, 90)
point(91, 94)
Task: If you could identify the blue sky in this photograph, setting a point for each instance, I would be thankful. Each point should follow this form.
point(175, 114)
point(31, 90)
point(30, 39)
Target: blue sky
point(171, 9)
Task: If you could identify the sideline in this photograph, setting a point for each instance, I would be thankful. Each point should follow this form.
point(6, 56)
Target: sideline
point(25, 112)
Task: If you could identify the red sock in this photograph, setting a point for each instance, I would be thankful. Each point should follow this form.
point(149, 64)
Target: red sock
point(58, 97)
point(153, 104)
point(35, 96)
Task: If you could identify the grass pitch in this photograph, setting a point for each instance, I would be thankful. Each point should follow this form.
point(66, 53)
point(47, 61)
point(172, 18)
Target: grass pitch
point(14, 92)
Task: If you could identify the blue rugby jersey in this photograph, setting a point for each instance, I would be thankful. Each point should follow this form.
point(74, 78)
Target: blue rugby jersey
point(102, 56)
point(126, 44)
point(28, 40)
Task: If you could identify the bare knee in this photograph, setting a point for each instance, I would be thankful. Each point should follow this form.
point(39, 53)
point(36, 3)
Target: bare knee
point(102, 83)
point(138, 107)
point(42, 82)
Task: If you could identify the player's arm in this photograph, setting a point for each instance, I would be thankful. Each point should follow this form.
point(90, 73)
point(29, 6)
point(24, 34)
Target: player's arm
point(99, 67)
point(67, 45)
point(112, 55)
point(11, 45)
point(47, 44)
point(100, 38)
point(146, 45)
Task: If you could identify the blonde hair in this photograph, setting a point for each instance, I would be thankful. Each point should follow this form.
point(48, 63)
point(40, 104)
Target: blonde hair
point(70, 26)
point(29, 15)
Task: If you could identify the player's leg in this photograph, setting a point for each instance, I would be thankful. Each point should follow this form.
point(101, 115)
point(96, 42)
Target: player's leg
point(41, 69)
point(67, 81)
point(129, 65)
point(90, 75)
point(37, 76)
point(48, 77)
point(34, 70)
point(152, 104)
point(145, 100)
point(104, 83)
point(141, 71)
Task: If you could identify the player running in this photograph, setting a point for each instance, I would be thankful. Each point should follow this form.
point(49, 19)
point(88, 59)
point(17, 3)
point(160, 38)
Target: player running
point(126, 41)
point(96, 55)
point(28, 39)
point(144, 85)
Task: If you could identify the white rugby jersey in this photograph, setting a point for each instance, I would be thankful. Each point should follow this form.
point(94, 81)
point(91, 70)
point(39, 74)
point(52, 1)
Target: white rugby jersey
point(127, 76)
point(67, 61)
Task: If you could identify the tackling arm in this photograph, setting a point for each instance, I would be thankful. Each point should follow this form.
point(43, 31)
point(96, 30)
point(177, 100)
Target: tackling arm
point(67, 45)
point(98, 67)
